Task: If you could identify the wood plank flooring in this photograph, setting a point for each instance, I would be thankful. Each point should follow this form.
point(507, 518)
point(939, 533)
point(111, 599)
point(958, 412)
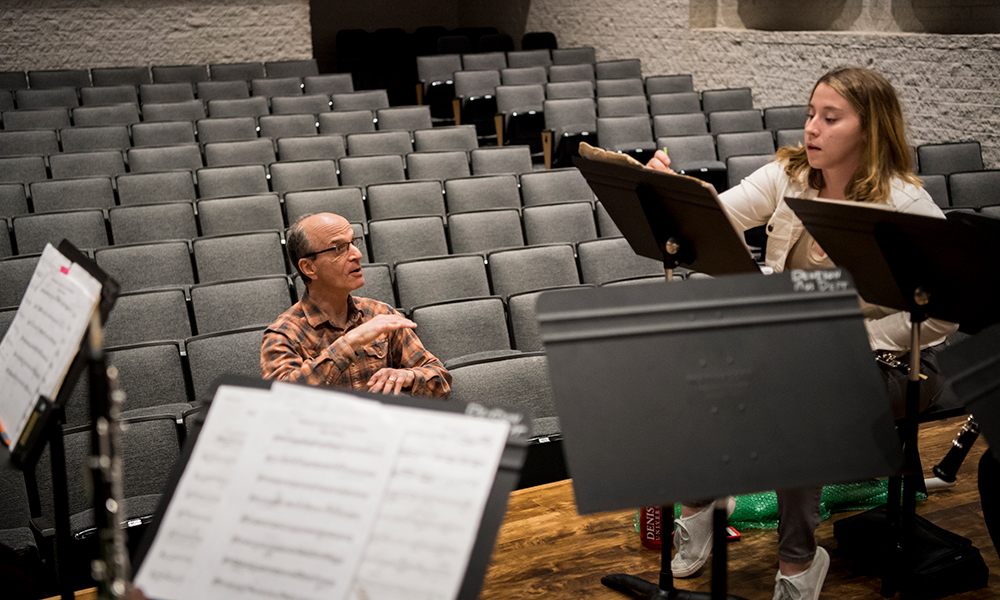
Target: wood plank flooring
point(546, 550)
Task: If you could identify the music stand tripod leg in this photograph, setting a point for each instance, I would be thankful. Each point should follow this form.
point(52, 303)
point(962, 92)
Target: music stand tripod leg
point(901, 521)
point(635, 587)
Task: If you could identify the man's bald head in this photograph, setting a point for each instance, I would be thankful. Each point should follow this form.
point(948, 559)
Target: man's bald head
point(300, 237)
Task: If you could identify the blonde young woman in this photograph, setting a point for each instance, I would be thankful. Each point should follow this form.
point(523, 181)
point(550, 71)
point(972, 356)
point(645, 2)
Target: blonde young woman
point(855, 150)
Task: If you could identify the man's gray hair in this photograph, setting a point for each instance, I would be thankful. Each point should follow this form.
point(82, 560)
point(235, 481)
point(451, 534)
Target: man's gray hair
point(297, 244)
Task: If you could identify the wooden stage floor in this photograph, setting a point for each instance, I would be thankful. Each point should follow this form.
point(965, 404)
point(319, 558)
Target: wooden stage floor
point(545, 550)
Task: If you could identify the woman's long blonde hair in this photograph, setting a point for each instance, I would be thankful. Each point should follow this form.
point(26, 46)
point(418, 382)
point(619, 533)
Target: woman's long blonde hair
point(884, 151)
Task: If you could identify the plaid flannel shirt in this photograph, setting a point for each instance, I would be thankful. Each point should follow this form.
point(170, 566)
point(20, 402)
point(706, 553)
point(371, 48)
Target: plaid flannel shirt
point(303, 346)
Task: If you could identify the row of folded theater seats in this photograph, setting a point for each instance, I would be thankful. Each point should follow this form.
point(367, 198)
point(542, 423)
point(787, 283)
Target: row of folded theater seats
point(461, 238)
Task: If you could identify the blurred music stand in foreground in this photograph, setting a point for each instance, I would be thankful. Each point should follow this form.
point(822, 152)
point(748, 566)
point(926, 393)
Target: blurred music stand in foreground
point(712, 387)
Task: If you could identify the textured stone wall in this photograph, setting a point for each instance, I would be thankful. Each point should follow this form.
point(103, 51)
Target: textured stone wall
point(58, 34)
point(949, 84)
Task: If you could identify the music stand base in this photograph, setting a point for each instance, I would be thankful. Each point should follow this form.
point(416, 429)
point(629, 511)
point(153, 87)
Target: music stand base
point(640, 588)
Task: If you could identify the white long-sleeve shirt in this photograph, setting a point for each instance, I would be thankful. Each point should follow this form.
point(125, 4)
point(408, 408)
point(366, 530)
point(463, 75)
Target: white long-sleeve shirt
point(759, 200)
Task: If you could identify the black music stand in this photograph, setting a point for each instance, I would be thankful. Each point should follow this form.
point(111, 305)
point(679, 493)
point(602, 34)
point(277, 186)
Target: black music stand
point(677, 220)
point(46, 425)
point(507, 475)
point(923, 265)
point(726, 386)
point(671, 218)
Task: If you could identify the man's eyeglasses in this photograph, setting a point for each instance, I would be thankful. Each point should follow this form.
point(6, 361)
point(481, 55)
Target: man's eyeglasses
point(337, 250)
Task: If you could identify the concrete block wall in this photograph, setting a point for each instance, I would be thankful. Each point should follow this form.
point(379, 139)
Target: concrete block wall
point(949, 84)
point(66, 34)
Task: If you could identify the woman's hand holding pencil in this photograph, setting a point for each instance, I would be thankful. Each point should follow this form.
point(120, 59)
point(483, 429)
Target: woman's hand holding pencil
point(660, 162)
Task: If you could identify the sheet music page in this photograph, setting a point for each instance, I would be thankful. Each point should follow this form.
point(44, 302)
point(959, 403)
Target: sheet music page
point(299, 504)
point(45, 335)
point(430, 516)
point(198, 499)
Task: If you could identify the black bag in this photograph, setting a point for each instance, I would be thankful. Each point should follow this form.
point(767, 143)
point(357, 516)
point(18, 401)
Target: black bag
point(946, 563)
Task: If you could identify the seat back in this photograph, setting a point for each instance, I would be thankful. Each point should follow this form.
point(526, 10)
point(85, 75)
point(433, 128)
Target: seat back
point(953, 157)
point(405, 199)
point(463, 327)
point(84, 228)
point(146, 188)
point(509, 159)
point(142, 223)
point(346, 202)
point(669, 84)
point(220, 182)
point(410, 237)
point(240, 214)
point(429, 280)
point(72, 194)
point(130, 264)
point(726, 99)
point(148, 316)
point(210, 356)
point(532, 268)
point(242, 303)
point(239, 256)
point(483, 192)
point(440, 165)
point(484, 230)
point(455, 137)
point(553, 223)
point(628, 68)
point(613, 258)
point(304, 175)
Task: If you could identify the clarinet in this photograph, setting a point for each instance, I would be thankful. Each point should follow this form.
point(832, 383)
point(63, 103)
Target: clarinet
point(947, 469)
point(111, 569)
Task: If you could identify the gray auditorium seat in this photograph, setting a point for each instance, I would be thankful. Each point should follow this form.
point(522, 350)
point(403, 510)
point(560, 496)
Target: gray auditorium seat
point(148, 316)
point(142, 223)
point(147, 188)
point(234, 352)
point(226, 305)
point(72, 194)
point(240, 214)
point(434, 279)
point(405, 199)
point(239, 256)
point(85, 228)
point(532, 268)
point(516, 382)
point(484, 230)
point(552, 223)
point(346, 202)
point(130, 264)
point(483, 192)
point(409, 237)
point(607, 259)
point(303, 175)
point(463, 327)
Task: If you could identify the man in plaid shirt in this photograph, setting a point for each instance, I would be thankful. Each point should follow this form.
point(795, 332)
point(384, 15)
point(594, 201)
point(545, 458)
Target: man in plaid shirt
point(330, 337)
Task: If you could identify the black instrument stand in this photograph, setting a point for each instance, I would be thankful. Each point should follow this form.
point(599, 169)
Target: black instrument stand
point(930, 268)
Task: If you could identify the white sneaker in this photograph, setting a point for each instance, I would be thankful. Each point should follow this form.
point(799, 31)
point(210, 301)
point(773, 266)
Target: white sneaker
point(807, 584)
point(693, 540)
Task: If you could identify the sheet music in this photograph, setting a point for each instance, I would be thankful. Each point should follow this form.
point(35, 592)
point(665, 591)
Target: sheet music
point(198, 498)
point(430, 516)
point(45, 335)
point(298, 503)
point(307, 493)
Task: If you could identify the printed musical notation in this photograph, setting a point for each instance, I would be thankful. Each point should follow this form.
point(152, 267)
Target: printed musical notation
point(43, 338)
point(307, 494)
